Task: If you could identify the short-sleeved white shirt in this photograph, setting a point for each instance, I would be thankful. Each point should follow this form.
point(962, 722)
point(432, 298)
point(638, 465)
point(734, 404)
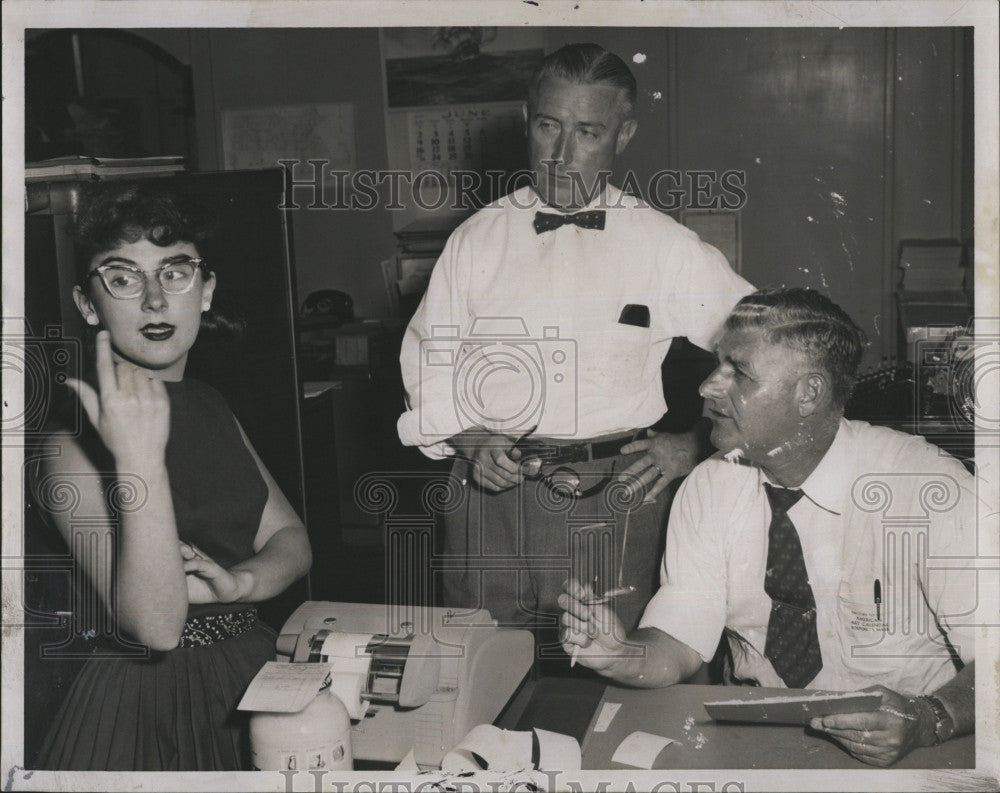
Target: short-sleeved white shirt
point(880, 506)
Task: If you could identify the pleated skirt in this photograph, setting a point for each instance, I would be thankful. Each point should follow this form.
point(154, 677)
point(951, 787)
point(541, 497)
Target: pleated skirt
point(174, 711)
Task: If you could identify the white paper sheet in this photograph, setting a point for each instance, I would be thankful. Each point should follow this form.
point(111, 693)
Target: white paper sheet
point(408, 763)
point(497, 749)
point(558, 752)
point(606, 715)
point(283, 687)
point(489, 748)
point(348, 662)
point(640, 749)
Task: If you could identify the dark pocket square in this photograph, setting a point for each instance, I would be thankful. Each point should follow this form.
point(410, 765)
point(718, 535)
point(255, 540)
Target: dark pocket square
point(634, 314)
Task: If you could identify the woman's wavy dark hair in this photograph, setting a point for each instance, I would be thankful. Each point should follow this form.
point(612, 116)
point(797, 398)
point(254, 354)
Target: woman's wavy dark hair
point(111, 214)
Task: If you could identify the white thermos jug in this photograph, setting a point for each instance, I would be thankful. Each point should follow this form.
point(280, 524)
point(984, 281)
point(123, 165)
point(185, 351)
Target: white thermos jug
point(316, 738)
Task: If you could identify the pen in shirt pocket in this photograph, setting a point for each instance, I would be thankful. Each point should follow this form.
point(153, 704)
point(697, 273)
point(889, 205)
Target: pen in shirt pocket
point(878, 600)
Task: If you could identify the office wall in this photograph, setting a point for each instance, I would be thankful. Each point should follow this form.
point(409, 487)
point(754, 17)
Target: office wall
point(232, 68)
point(850, 139)
point(929, 102)
point(801, 113)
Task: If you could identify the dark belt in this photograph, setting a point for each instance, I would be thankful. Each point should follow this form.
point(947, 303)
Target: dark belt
point(557, 459)
point(556, 453)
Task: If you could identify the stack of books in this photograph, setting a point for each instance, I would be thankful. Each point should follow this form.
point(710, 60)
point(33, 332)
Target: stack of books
point(83, 167)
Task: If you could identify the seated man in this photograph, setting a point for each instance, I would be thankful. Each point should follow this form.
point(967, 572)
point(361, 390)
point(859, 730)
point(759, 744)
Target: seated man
point(829, 551)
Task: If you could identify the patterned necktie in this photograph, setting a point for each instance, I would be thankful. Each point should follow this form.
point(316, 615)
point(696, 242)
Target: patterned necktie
point(792, 644)
point(547, 221)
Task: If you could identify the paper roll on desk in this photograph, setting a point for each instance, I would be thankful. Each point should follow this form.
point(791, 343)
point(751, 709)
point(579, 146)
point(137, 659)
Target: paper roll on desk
point(349, 661)
point(489, 748)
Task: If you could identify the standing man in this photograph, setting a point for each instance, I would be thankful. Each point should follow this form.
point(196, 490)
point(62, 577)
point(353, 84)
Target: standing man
point(831, 554)
point(534, 358)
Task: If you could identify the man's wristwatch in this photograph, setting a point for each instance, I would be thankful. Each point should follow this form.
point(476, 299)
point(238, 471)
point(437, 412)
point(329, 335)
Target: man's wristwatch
point(944, 724)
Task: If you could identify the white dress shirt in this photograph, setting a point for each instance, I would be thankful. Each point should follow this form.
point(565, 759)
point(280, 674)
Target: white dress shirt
point(520, 330)
point(880, 506)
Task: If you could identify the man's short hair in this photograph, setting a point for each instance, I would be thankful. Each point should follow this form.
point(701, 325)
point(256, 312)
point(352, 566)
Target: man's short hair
point(586, 63)
point(806, 320)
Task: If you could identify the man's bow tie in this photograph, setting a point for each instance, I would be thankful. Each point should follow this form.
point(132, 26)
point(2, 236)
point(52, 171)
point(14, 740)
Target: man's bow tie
point(547, 221)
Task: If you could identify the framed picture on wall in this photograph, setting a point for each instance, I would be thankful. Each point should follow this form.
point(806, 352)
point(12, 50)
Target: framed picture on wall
point(458, 65)
point(720, 228)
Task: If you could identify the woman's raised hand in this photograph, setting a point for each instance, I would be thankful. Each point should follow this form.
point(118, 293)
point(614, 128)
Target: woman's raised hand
point(132, 411)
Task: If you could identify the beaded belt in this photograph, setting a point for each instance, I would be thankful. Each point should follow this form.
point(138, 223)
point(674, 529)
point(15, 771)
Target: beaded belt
point(212, 628)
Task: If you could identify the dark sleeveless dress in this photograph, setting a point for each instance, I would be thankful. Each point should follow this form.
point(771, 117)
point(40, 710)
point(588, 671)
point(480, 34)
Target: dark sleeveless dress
point(176, 710)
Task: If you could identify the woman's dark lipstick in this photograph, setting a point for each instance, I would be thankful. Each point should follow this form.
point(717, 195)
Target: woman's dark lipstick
point(160, 331)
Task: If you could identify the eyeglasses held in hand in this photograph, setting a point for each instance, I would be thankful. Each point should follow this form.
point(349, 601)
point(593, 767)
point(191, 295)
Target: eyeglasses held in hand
point(127, 281)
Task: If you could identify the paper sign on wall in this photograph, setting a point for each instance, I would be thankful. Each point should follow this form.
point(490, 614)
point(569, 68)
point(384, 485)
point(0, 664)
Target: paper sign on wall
point(258, 137)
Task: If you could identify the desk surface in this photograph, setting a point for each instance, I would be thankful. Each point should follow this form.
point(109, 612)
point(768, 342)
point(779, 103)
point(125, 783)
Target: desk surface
point(677, 712)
